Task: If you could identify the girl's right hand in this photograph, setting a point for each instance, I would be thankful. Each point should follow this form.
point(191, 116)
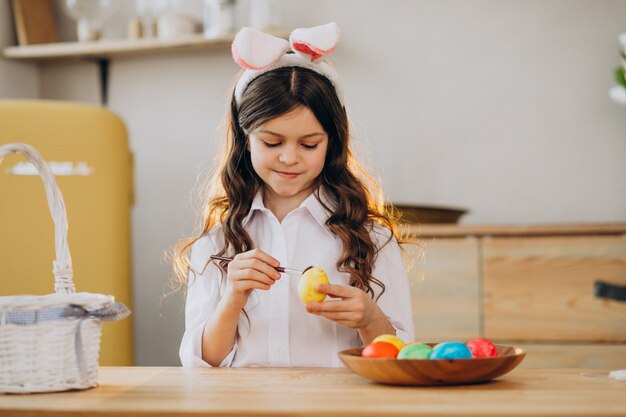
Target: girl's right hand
point(247, 271)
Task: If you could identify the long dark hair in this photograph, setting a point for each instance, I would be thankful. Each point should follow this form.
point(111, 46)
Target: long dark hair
point(357, 197)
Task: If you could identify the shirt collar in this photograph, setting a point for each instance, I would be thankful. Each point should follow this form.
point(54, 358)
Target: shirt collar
point(257, 204)
point(314, 204)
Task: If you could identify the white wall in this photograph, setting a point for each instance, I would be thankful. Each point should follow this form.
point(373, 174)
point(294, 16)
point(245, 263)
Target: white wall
point(499, 106)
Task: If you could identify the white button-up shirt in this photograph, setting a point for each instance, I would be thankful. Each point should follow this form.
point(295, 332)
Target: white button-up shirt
point(280, 332)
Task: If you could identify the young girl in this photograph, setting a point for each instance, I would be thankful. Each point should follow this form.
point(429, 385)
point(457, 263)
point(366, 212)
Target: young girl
point(292, 195)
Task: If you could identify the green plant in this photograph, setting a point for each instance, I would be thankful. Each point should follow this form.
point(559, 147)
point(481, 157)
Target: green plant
point(618, 92)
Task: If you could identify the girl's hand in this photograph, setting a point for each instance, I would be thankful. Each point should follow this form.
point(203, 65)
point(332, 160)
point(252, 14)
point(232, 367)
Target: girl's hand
point(247, 271)
point(355, 309)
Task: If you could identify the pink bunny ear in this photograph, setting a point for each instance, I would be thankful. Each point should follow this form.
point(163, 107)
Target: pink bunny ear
point(315, 42)
point(256, 50)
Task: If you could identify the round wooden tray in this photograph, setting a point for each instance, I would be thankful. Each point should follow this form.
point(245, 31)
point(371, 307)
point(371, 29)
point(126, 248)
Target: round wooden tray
point(429, 214)
point(433, 371)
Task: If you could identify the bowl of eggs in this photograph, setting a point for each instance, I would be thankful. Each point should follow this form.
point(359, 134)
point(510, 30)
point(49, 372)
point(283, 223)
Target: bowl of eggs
point(387, 359)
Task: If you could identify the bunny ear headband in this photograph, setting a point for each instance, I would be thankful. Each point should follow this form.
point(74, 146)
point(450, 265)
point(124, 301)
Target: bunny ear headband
point(259, 52)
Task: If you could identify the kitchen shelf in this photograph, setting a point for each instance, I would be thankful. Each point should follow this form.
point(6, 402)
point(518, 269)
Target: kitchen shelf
point(103, 51)
point(112, 48)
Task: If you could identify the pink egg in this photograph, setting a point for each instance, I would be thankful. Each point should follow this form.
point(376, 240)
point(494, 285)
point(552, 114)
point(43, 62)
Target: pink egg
point(482, 348)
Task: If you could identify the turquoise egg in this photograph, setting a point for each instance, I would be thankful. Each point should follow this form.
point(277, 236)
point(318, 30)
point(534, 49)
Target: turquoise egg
point(451, 350)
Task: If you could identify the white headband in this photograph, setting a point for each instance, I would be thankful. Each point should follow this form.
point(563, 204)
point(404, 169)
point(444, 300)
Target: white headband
point(259, 52)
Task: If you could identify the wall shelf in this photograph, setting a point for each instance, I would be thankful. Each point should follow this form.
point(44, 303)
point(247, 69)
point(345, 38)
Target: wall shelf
point(103, 51)
point(112, 48)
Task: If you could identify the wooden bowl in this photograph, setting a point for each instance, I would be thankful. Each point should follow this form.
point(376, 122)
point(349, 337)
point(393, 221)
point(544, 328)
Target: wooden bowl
point(429, 214)
point(433, 371)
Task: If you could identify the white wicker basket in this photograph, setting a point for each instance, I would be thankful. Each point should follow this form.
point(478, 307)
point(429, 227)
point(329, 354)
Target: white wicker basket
point(52, 342)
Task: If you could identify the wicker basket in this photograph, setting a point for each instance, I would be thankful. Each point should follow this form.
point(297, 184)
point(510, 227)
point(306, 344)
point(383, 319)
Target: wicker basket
point(52, 342)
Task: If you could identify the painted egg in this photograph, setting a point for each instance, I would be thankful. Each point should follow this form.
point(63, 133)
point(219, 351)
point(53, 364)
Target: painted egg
point(307, 286)
point(451, 350)
point(415, 351)
point(379, 350)
point(482, 348)
point(390, 338)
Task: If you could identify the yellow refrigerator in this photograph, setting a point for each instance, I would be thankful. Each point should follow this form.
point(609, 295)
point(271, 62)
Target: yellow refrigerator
point(87, 148)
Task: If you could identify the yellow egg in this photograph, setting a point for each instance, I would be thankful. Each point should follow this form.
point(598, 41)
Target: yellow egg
point(390, 338)
point(307, 286)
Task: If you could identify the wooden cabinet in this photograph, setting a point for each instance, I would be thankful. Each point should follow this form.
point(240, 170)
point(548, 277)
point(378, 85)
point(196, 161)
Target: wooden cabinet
point(531, 286)
point(445, 292)
point(542, 288)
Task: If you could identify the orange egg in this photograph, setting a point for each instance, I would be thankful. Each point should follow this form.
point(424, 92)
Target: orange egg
point(390, 338)
point(379, 350)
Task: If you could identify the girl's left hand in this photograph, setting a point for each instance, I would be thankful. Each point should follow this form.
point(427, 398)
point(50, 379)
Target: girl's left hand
point(354, 309)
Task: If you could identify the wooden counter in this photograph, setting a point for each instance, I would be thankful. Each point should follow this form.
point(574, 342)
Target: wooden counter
point(160, 391)
point(565, 229)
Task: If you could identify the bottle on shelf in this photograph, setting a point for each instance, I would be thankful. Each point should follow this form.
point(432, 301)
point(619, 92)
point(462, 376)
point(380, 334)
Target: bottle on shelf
point(263, 14)
point(90, 16)
point(218, 17)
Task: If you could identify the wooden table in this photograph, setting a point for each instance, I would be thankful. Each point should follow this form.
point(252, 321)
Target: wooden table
point(161, 391)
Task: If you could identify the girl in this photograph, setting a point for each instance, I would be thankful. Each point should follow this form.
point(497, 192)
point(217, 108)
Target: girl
point(291, 194)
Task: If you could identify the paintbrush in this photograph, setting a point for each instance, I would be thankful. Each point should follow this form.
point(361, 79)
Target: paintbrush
point(281, 269)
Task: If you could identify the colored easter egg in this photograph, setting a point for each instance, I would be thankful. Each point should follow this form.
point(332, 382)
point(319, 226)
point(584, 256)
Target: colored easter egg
point(415, 351)
point(451, 350)
point(482, 348)
point(379, 350)
point(307, 286)
point(390, 338)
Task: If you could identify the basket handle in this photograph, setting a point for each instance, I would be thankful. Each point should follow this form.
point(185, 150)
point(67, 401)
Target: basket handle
point(62, 266)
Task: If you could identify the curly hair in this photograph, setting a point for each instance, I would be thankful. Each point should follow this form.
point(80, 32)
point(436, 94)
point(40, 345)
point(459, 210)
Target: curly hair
point(357, 197)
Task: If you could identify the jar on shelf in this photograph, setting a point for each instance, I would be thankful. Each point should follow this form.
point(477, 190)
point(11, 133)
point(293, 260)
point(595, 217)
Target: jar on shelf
point(263, 14)
point(90, 16)
point(218, 17)
point(148, 13)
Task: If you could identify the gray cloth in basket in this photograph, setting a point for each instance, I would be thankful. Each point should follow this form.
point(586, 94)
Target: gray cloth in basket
point(115, 311)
